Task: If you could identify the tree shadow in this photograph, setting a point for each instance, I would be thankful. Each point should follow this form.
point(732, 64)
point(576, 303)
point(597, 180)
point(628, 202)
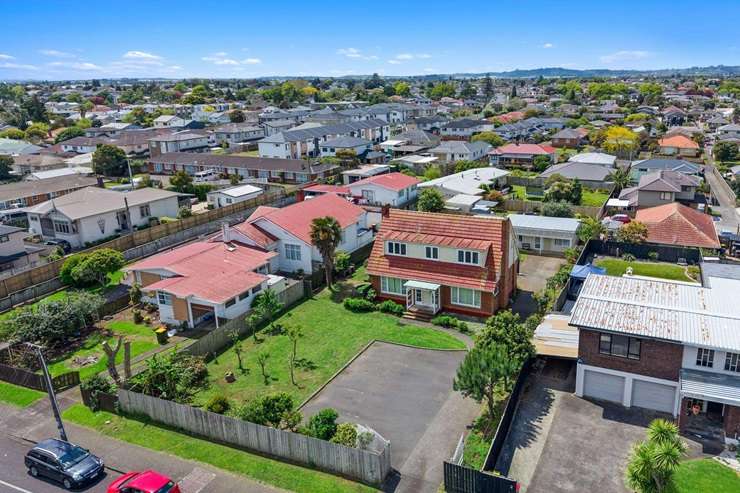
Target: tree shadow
point(305, 364)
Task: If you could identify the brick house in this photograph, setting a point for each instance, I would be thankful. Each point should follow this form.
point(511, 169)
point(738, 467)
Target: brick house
point(662, 345)
point(442, 262)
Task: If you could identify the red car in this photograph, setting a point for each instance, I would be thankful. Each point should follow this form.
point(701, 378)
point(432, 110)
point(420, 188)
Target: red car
point(143, 482)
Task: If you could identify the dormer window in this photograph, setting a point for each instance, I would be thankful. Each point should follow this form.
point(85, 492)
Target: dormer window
point(468, 257)
point(396, 248)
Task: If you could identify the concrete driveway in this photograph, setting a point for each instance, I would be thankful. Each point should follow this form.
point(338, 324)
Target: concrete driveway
point(534, 271)
point(406, 395)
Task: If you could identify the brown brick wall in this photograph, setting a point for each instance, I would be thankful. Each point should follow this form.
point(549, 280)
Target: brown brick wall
point(657, 359)
point(148, 278)
point(179, 308)
point(732, 422)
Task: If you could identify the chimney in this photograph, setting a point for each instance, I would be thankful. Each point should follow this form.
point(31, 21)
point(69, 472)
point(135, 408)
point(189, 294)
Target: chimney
point(225, 232)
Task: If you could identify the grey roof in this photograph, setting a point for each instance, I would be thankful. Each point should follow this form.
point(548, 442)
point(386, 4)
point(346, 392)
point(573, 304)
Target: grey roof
point(91, 201)
point(582, 171)
point(666, 181)
point(711, 386)
point(320, 131)
point(11, 146)
point(668, 310)
point(345, 142)
point(22, 189)
point(7, 230)
point(460, 147)
point(524, 222)
point(671, 164)
point(237, 127)
point(243, 162)
point(568, 133)
point(710, 270)
point(178, 136)
point(466, 182)
point(594, 158)
point(465, 123)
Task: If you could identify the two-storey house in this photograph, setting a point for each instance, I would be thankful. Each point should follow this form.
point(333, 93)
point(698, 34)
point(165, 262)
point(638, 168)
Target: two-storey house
point(662, 187)
point(442, 262)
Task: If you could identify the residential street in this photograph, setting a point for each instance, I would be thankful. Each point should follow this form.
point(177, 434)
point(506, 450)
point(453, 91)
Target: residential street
point(722, 192)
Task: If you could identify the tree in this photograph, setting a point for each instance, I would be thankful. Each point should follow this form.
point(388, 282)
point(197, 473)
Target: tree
point(632, 232)
point(266, 306)
point(237, 116)
point(484, 371)
point(94, 267)
point(506, 329)
point(441, 90)
point(37, 132)
point(135, 293)
point(654, 461)
point(431, 173)
point(464, 165)
point(294, 333)
point(262, 358)
point(620, 141)
point(490, 137)
point(235, 179)
point(590, 229)
point(430, 200)
point(726, 151)
point(621, 178)
point(109, 160)
point(402, 89)
point(326, 235)
point(111, 355)
point(13, 133)
point(541, 162)
point(69, 133)
point(488, 87)
point(6, 165)
point(237, 347)
point(181, 181)
point(347, 157)
point(557, 209)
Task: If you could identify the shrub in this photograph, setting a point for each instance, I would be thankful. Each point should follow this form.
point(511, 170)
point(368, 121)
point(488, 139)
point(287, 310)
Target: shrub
point(96, 385)
point(134, 293)
point(323, 425)
point(137, 316)
point(65, 273)
point(628, 257)
point(346, 435)
point(147, 320)
point(444, 321)
point(270, 410)
point(86, 269)
point(341, 261)
point(175, 376)
point(390, 306)
point(184, 212)
point(653, 256)
point(367, 291)
point(364, 439)
point(358, 305)
point(218, 404)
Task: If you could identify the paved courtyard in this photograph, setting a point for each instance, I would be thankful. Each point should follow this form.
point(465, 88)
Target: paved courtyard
point(534, 271)
point(406, 395)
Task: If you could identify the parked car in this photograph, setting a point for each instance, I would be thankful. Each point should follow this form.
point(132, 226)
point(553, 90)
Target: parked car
point(63, 244)
point(143, 482)
point(65, 462)
point(622, 218)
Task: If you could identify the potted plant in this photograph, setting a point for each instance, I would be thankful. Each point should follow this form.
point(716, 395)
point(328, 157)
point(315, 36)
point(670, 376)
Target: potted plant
point(161, 333)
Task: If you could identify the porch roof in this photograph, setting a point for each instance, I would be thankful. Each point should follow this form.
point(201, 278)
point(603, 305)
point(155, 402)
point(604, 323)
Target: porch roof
point(421, 285)
point(716, 387)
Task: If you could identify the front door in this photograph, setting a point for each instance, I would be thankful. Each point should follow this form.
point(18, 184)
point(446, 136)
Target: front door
point(410, 298)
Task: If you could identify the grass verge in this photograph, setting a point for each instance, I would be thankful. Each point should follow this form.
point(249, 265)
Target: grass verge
point(18, 396)
point(706, 475)
point(162, 439)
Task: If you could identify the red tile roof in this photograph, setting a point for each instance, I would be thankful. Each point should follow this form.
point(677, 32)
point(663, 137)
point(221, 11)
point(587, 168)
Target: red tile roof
point(389, 181)
point(676, 224)
point(478, 233)
point(509, 117)
point(296, 218)
point(535, 149)
point(213, 271)
point(679, 141)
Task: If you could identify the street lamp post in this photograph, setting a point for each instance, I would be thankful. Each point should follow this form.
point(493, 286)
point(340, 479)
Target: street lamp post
point(50, 390)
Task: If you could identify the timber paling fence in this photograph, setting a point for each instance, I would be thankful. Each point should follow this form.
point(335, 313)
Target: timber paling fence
point(367, 466)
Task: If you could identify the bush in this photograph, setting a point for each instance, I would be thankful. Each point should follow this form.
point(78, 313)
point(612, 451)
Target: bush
point(218, 404)
point(451, 322)
point(653, 256)
point(86, 269)
point(270, 410)
point(65, 273)
point(359, 305)
point(137, 316)
point(628, 257)
point(367, 291)
point(175, 377)
point(184, 212)
point(390, 306)
point(346, 435)
point(341, 261)
point(97, 385)
point(323, 425)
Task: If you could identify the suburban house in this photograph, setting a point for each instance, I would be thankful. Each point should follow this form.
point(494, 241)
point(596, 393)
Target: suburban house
point(464, 128)
point(391, 189)
point(662, 345)
point(28, 193)
point(468, 182)
point(432, 262)
point(569, 137)
point(227, 196)
point(287, 231)
point(662, 187)
point(646, 166)
point(593, 175)
point(458, 150)
point(676, 224)
point(235, 133)
point(365, 171)
point(520, 155)
point(206, 280)
point(262, 169)
point(12, 147)
point(544, 234)
point(678, 145)
point(428, 123)
point(169, 121)
point(14, 252)
point(31, 163)
point(599, 158)
point(177, 142)
point(93, 213)
point(355, 144)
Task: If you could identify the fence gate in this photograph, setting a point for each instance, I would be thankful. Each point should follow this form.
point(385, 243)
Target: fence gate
point(461, 479)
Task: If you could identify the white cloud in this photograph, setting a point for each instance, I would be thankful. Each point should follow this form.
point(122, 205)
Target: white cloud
point(85, 66)
point(57, 53)
point(3, 56)
point(394, 62)
point(355, 53)
point(430, 70)
point(405, 56)
point(222, 58)
point(625, 55)
point(141, 55)
point(251, 61)
point(410, 56)
point(547, 45)
point(424, 55)
point(18, 66)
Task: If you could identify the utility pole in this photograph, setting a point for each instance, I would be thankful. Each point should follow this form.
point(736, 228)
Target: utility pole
point(130, 175)
point(50, 390)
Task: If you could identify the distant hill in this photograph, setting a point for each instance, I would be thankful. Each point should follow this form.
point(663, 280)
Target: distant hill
point(715, 70)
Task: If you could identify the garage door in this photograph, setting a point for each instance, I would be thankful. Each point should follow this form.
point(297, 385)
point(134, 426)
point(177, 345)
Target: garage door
point(603, 386)
point(652, 395)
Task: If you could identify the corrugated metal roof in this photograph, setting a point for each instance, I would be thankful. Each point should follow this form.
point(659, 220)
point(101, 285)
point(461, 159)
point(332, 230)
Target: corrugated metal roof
point(660, 309)
point(716, 387)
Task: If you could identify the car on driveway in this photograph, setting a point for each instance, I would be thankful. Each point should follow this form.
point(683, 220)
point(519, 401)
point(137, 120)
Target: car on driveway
point(64, 462)
point(143, 482)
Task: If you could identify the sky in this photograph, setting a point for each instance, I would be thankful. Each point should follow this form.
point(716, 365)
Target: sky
point(63, 39)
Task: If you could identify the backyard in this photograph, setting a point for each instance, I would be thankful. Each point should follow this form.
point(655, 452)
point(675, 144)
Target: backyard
point(331, 336)
point(589, 198)
point(662, 270)
point(706, 475)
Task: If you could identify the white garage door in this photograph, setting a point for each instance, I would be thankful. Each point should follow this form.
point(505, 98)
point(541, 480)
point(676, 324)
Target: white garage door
point(652, 395)
point(603, 386)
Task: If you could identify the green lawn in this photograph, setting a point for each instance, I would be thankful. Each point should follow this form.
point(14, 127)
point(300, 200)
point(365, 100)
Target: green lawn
point(18, 396)
point(617, 267)
point(706, 475)
point(254, 153)
point(332, 335)
point(593, 198)
point(520, 192)
point(142, 340)
point(163, 439)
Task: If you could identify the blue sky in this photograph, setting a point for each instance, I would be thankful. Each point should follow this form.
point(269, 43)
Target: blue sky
point(81, 39)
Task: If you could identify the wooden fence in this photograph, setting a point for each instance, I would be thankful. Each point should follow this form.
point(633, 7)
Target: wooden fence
point(217, 339)
point(362, 465)
point(36, 381)
point(461, 479)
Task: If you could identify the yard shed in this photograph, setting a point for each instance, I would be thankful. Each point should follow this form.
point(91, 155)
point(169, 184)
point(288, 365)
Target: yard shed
point(544, 234)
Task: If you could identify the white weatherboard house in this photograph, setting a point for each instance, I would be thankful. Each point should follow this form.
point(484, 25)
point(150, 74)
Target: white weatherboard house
point(545, 234)
point(233, 195)
point(91, 214)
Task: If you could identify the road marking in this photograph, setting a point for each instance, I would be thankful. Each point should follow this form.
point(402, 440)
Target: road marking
point(196, 480)
point(16, 488)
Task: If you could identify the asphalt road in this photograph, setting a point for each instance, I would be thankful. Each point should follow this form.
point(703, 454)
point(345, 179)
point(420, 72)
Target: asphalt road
point(724, 195)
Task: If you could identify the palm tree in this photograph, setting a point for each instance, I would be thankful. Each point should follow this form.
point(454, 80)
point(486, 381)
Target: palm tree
point(654, 461)
point(620, 177)
point(326, 234)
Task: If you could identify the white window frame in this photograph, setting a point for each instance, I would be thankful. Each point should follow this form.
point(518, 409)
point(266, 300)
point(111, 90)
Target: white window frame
point(293, 252)
point(62, 227)
point(732, 362)
point(385, 285)
point(561, 242)
point(455, 297)
point(431, 253)
point(704, 357)
point(470, 257)
point(396, 248)
point(145, 210)
point(164, 298)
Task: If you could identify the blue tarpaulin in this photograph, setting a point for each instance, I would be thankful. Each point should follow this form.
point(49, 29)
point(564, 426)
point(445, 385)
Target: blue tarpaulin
point(582, 271)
